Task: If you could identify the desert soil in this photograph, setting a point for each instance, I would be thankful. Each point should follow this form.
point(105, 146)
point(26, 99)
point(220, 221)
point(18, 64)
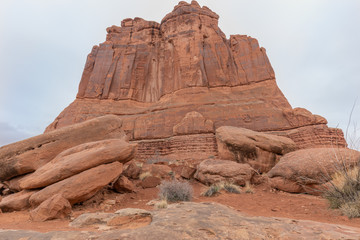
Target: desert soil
point(263, 202)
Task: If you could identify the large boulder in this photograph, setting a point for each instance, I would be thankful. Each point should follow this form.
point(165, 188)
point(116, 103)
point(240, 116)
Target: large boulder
point(17, 201)
point(80, 187)
point(307, 169)
point(30, 154)
point(214, 171)
point(79, 159)
point(55, 207)
point(260, 150)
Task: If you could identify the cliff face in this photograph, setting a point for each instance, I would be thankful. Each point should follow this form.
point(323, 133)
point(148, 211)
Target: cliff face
point(144, 60)
point(152, 75)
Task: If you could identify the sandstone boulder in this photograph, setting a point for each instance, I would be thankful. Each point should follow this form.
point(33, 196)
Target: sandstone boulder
point(124, 185)
point(187, 172)
point(305, 169)
point(260, 150)
point(30, 154)
point(214, 171)
point(79, 159)
point(17, 201)
point(157, 170)
point(150, 182)
point(55, 207)
point(82, 186)
point(132, 171)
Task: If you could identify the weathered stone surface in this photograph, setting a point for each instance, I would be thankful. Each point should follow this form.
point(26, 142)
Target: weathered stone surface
point(132, 171)
point(17, 201)
point(124, 185)
point(187, 172)
point(55, 207)
point(305, 169)
point(128, 218)
point(190, 220)
point(156, 76)
point(14, 183)
point(157, 170)
point(150, 182)
point(80, 187)
point(214, 171)
point(193, 123)
point(28, 155)
point(78, 159)
point(262, 151)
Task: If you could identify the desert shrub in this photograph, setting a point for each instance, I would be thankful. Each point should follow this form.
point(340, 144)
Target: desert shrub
point(232, 188)
point(161, 204)
point(248, 187)
point(217, 187)
point(174, 191)
point(212, 190)
point(343, 191)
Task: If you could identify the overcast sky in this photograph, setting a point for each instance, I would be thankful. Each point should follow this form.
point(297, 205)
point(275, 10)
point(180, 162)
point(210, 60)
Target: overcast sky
point(313, 47)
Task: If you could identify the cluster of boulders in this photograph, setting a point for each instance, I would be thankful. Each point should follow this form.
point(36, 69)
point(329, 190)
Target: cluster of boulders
point(53, 171)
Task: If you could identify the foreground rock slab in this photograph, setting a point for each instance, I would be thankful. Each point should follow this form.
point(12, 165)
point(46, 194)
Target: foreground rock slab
point(205, 221)
point(214, 171)
point(30, 154)
point(262, 151)
point(78, 159)
point(307, 169)
point(80, 187)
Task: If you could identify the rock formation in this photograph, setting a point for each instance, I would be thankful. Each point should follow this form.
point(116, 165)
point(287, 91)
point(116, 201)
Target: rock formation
point(173, 83)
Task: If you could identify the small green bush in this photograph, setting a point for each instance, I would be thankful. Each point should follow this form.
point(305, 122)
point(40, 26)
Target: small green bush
point(174, 191)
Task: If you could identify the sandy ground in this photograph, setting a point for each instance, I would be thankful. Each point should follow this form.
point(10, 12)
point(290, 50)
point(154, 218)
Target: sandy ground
point(263, 202)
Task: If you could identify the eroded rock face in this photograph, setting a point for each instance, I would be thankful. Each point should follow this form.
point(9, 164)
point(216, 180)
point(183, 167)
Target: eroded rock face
point(80, 187)
point(215, 171)
point(56, 207)
point(17, 201)
point(156, 76)
point(260, 150)
point(30, 154)
point(78, 159)
point(307, 169)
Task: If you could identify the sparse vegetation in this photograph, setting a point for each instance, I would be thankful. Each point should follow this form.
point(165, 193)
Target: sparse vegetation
point(174, 191)
point(248, 187)
point(161, 204)
point(343, 191)
point(217, 187)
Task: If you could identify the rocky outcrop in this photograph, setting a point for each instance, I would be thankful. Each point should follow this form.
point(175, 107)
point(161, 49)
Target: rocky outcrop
point(173, 83)
point(307, 169)
point(17, 201)
point(215, 171)
point(28, 155)
point(55, 207)
point(78, 159)
point(260, 150)
point(80, 187)
point(190, 220)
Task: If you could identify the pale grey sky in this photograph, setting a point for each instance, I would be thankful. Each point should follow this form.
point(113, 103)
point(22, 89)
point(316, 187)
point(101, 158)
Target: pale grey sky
point(312, 45)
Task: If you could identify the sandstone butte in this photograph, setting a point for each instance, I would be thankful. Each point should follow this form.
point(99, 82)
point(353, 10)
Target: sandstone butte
point(173, 83)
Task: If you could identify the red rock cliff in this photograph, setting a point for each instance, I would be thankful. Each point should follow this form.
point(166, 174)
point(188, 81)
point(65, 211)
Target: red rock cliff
point(152, 75)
